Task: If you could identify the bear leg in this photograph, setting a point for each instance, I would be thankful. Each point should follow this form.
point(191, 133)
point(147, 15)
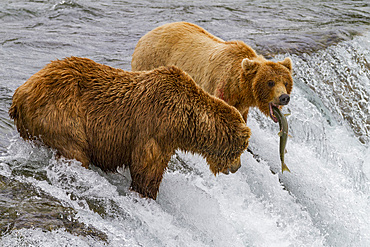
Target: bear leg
point(149, 164)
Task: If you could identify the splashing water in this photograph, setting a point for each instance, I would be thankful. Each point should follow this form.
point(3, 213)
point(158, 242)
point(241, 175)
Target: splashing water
point(325, 199)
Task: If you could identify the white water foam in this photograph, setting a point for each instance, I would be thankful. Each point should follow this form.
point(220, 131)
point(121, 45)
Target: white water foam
point(324, 201)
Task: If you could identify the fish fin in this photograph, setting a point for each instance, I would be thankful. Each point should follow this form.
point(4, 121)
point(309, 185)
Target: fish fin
point(289, 136)
point(285, 151)
point(280, 133)
point(287, 114)
point(284, 168)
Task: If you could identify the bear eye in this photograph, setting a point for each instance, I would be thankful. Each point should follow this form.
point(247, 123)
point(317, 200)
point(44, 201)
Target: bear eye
point(286, 84)
point(271, 83)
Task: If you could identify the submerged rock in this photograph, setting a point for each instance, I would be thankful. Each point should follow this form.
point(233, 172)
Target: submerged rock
point(24, 206)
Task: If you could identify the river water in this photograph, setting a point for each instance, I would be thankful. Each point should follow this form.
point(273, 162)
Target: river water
point(324, 201)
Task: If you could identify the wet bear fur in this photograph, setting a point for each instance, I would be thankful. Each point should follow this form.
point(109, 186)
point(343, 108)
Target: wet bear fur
point(230, 70)
point(110, 118)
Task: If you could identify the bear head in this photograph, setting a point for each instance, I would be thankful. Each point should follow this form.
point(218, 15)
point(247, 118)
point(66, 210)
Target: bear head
point(271, 82)
point(226, 157)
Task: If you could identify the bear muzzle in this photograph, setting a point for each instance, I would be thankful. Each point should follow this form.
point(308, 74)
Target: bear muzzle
point(284, 99)
point(234, 167)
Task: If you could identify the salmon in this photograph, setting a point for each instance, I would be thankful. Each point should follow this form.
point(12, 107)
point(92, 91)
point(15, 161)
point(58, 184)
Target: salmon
point(283, 125)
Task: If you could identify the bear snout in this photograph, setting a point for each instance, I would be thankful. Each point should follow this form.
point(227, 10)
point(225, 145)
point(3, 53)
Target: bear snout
point(284, 99)
point(234, 167)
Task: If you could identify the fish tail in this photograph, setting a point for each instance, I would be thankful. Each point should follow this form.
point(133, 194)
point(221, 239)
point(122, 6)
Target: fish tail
point(284, 168)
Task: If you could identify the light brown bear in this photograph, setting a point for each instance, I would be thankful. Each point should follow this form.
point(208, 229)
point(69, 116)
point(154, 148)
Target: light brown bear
point(111, 118)
point(230, 70)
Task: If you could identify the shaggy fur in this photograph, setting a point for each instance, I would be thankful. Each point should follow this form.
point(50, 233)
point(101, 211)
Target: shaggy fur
point(230, 70)
point(109, 117)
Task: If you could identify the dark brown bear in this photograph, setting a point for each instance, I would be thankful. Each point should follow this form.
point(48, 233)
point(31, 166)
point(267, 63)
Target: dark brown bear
point(111, 118)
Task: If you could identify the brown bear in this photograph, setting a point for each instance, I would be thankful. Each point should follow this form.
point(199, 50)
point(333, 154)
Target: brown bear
point(230, 70)
point(111, 118)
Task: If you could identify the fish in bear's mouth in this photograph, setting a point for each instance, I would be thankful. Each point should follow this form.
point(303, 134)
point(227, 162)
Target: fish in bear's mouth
point(273, 117)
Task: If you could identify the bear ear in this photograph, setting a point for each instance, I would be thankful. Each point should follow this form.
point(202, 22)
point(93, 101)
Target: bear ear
point(249, 65)
point(287, 62)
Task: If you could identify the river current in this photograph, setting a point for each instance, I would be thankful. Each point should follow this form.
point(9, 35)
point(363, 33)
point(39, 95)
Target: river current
point(324, 201)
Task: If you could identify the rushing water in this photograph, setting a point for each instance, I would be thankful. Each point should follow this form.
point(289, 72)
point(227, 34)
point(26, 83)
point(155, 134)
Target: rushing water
point(324, 201)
